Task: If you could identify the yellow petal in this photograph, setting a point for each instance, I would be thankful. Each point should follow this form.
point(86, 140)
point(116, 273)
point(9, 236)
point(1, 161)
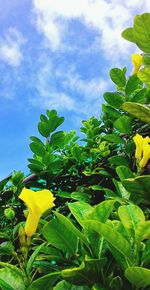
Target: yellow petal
point(146, 155)
point(37, 202)
point(31, 223)
point(138, 139)
point(137, 62)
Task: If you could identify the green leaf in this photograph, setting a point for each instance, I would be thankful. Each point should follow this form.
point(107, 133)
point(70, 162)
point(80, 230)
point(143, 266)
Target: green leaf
point(52, 253)
point(143, 231)
point(5, 286)
point(137, 110)
point(45, 282)
point(38, 148)
point(128, 34)
point(144, 75)
point(70, 226)
point(141, 96)
point(67, 286)
point(113, 237)
point(57, 139)
point(118, 77)
point(81, 196)
point(124, 172)
point(118, 160)
point(80, 210)
point(87, 274)
point(60, 236)
point(138, 276)
point(13, 276)
point(113, 138)
point(123, 124)
point(139, 187)
point(142, 31)
point(132, 85)
point(32, 258)
point(131, 217)
point(114, 99)
point(102, 211)
point(43, 128)
point(110, 112)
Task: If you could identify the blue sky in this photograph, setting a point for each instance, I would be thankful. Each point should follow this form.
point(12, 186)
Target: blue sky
point(56, 54)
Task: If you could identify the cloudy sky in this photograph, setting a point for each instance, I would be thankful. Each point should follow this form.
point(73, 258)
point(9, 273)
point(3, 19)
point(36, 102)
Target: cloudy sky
point(56, 54)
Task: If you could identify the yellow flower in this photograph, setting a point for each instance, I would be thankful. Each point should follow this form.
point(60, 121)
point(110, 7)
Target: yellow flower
point(37, 202)
point(137, 62)
point(146, 155)
point(142, 152)
point(138, 139)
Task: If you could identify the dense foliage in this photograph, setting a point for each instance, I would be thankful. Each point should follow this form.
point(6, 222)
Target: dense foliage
point(98, 235)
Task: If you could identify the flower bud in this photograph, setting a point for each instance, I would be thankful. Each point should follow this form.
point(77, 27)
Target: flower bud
point(9, 213)
point(22, 236)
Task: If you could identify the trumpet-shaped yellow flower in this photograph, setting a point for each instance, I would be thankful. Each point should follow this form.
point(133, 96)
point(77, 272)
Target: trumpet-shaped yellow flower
point(137, 62)
point(146, 155)
point(138, 139)
point(37, 202)
point(142, 152)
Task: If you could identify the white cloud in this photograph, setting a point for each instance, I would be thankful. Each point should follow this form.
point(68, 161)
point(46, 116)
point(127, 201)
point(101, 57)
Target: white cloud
point(10, 47)
point(58, 87)
point(108, 18)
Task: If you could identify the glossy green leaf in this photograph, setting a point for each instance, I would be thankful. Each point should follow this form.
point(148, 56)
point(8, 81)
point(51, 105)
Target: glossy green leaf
point(114, 99)
point(139, 187)
point(32, 258)
point(143, 231)
point(118, 77)
point(113, 237)
point(137, 110)
point(45, 282)
point(113, 138)
point(64, 285)
point(60, 236)
point(38, 148)
point(5, 286)
point(102, 211)
point(131, 217)
point(142, 31)
point(123, 124)
point(128, 34)
point(133, 84)
point(124, 172)
point(70, 226)
point(138, 276)
point(86, 274)
point(80, 210)
point(144, 75)
point(118, 160)
point(13, 276)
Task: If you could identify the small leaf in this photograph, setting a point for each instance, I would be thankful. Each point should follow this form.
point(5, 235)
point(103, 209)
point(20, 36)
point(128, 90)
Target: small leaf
point(114, 99)
point(138, 276)
point(80, 210)
point(118, 77)
point(132, 85)
point(137, 110)
point(144, 75)
point(142, 31)
point(128, 34)
point(113, 237)
point(123, 124)
point(124, 172)
point(45, 282)
point(60, 236)
point(113, 138)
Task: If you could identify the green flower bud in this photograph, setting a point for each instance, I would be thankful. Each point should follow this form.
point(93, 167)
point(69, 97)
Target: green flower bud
point(22, 236)
point(9, 213)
